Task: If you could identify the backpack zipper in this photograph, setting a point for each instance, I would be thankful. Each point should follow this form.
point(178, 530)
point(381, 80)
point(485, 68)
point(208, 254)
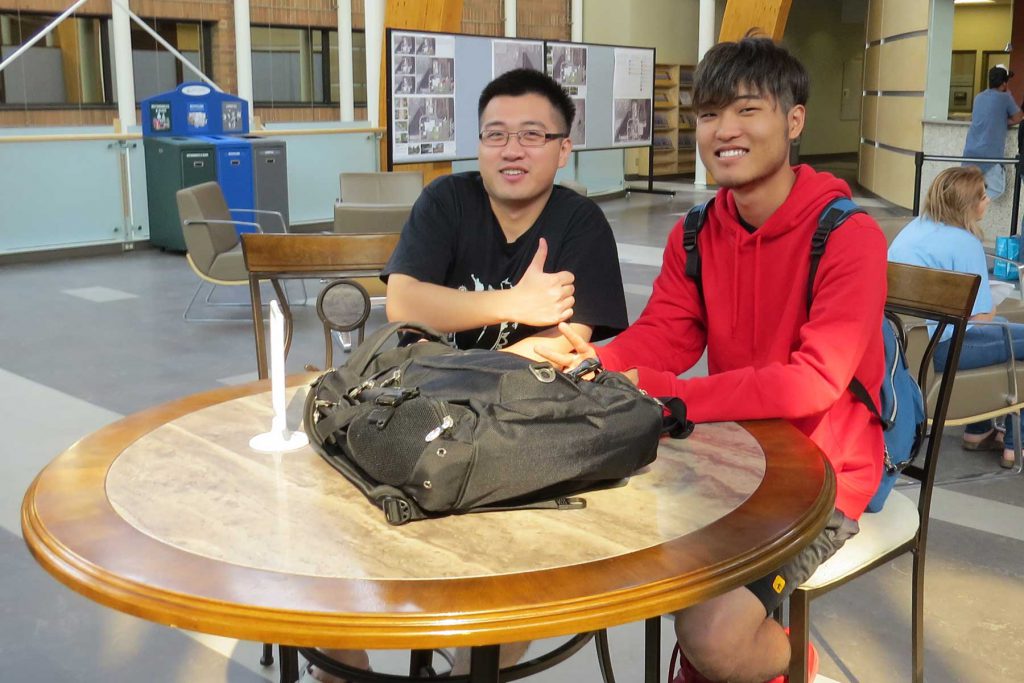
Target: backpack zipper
point(446, 423)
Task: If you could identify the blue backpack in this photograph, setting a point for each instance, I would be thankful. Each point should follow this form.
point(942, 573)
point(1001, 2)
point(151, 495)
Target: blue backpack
point(900, 406)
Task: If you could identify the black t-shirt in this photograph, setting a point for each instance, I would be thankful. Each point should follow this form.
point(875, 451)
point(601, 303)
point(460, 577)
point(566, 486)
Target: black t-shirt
point(454, 239)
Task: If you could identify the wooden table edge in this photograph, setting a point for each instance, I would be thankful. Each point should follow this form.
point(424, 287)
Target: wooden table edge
point(609, 603)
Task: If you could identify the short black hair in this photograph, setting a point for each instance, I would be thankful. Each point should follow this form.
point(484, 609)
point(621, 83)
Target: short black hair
point(752, 62)
point(519, 82)
point(997, 75)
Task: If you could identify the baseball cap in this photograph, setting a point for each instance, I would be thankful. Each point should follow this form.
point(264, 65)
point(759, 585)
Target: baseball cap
point(998, 75)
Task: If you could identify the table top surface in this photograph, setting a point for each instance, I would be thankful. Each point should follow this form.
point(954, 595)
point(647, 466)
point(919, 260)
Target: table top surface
point(169, 515)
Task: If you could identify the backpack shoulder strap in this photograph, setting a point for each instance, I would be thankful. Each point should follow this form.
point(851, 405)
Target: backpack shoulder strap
point(692, 225)
point(832, 216)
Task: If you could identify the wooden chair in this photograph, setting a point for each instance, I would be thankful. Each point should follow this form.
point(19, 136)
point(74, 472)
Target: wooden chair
point(280, 257)
point(901, 526)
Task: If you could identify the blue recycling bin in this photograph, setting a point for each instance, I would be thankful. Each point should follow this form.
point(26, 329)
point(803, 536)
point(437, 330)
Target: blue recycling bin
point(235, 176)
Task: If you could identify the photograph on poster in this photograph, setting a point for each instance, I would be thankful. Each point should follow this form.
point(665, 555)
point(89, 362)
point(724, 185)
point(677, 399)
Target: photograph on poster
point(405, 65)
point(578, 132)
point(403, 44)
point(231, 117)
point(507, 55)
point(632, 121)
point(424, 46)
point(431, 120)
point(435, 76)
point(405, 85)
point(569, 64)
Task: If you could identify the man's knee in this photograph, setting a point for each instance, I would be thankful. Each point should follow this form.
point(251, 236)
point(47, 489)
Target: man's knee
point(714, 634)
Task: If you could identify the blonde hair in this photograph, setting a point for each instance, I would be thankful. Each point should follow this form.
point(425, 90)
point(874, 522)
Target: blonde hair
point(954, 196)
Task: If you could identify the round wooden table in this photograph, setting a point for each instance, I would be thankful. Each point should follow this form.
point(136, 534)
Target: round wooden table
point(170, 516)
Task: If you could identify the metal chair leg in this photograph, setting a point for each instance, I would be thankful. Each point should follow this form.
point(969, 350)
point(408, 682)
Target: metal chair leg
point(289, 658)
point(917, 617)
point(799, 636)
point(268, 655)
point(652, 649)
point(604, 658)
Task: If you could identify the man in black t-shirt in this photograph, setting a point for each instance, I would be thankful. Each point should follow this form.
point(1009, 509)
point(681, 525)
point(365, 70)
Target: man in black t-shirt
point(498, 258)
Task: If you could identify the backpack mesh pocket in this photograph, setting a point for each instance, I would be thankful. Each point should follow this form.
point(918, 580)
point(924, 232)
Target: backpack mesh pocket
point(389, 454)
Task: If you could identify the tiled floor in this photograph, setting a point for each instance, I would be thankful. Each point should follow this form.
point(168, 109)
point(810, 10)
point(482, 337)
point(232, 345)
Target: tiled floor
point(85, 341)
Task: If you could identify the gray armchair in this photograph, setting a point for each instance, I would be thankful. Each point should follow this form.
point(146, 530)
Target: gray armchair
point(375, 202)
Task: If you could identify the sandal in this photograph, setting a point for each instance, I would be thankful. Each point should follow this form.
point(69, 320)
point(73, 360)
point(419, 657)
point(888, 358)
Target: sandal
point(993, 441)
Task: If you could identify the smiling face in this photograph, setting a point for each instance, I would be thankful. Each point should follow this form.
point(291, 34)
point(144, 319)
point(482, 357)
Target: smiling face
point(519, 178)
point(746, 143)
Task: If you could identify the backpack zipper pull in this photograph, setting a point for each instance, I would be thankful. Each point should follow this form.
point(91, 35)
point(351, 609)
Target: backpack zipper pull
point(446, 423)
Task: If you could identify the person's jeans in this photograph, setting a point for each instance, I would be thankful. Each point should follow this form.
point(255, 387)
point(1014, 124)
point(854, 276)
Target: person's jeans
point(985, 345)
point(995, 182)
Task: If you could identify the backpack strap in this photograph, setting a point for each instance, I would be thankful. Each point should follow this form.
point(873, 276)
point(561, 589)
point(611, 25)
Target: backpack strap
point(832, 216)
point(692, 225)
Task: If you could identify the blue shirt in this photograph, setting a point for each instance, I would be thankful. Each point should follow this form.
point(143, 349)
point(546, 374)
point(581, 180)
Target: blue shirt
point(928, 243)
point(987, 135)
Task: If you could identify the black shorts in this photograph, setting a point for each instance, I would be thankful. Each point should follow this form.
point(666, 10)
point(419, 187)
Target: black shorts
point(773, 589)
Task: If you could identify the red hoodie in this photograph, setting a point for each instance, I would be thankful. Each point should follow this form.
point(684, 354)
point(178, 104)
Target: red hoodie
point(766, 359)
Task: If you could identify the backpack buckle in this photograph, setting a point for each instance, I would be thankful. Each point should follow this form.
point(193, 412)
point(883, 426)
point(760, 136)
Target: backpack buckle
point(396, 510)
point(588, 366)
point(392, 397)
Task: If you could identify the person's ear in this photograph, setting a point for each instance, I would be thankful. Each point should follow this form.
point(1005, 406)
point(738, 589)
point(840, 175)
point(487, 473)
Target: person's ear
point(795, 120)
point(565, 148)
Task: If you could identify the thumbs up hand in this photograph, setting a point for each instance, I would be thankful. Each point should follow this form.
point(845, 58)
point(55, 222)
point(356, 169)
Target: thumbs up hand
point(542, 299)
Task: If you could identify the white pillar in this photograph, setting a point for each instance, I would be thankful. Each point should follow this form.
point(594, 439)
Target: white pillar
point(243, 53)
point(705, 41)
point(346, 94)
point(123, 66)
point(511, 19)
point(374, 14)
point(577, 21)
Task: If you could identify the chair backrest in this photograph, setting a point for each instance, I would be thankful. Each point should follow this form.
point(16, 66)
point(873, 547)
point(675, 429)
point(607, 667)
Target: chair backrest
point(319, 255)
point(381, 188)
point(946, 297)
point(204, 241)
point(273, 257)
point(363, 218)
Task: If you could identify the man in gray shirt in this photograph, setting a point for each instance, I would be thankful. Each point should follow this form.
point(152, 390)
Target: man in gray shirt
point(994, 111)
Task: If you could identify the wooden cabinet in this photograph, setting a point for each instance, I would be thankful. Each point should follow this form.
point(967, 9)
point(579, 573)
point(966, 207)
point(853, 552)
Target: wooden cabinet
point(673, 136)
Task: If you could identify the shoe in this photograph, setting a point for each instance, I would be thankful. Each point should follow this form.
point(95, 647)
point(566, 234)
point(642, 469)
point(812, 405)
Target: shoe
point(688, 674)
point(993, 441)
point(1008, 460)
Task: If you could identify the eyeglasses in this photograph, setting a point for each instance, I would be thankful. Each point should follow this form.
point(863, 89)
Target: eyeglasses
point(527, 138)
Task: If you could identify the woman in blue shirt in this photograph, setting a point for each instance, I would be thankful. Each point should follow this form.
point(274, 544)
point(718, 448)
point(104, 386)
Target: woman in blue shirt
point(947, 236)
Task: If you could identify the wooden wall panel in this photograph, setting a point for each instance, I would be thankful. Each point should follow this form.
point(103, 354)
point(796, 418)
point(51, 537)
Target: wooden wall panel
point(866, 166)
point(742, 15)
point(869, 117)
point(903, 64)
point(899, 122)
point(904, 16)
point(894, 176)
point(871, 72)
point(874, 21)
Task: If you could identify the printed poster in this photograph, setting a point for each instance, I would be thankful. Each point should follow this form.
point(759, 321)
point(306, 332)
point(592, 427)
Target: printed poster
point(423, 97)
point(632, 97)
point(507, 55)
point(567, 64)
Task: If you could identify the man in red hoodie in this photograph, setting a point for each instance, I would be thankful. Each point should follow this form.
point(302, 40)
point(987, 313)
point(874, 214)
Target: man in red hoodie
point(768, 356)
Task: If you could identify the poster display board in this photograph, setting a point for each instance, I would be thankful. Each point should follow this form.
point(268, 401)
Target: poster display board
point(435, 79)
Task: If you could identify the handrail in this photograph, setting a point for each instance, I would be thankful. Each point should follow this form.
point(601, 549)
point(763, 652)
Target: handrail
point(81, 137)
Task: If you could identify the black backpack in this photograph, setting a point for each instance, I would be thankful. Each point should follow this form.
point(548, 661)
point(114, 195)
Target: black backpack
point(426, 430)
point(900, 406)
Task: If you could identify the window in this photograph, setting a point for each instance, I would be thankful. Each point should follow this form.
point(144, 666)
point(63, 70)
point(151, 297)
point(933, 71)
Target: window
point(290, 66)
point(71, 66)
point(64, 68)
point(155, 69)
